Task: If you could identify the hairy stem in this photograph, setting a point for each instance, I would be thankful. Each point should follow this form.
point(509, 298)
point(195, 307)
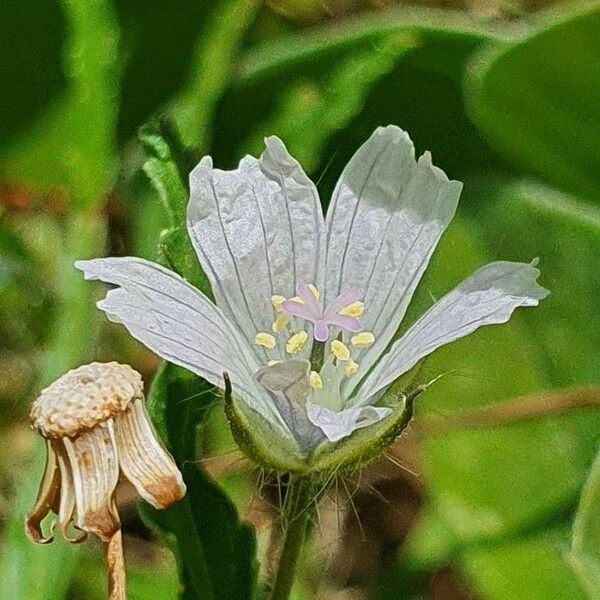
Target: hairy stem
point(295, 517)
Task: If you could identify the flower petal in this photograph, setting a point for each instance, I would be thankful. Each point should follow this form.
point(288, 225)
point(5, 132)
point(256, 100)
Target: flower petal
point(340, 302)
point(258, 231)
point(93, 459)
point(321, 332)
point(47, 500)
point(296, 309)
point(387, 214)
point(487, 297)
point(179, 323)
point(288, 385)
point(67, 497)
point(144, 461)
point(337, 425)
point(345, 322)
point(308, 297)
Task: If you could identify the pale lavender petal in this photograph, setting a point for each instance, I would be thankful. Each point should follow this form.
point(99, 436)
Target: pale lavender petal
point(296, 309)
point(304, 292)
point(337, 425)
point(386, 216)
point(345, 322)
point(487, 297)
point(321, 331)
point(340, 302)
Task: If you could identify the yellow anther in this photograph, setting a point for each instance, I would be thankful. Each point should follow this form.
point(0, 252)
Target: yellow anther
point(273, 362)
point(264, 339)
point(364, 339)
point(297, 299)
point(340, 350)
point(314, 290)
point(351, 369)
point(295, 343)
point(316, 383)
point(277, 301)
point(281, 321)
point(353, 310)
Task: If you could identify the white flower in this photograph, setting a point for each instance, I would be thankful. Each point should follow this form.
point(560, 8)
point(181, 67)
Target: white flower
point(307, 306)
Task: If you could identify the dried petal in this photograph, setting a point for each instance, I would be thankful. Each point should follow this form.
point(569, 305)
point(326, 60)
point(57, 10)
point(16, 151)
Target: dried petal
point(47, 499)
point(94, 465)
point(66, 508)
point(144, 461)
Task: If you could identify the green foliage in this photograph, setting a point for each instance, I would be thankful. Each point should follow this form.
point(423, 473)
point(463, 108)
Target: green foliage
point(538, 100)
point(585, 548)
point(72, 147)
point(215, 552)
point(30, 70)
point(531, 567)
point(167, 166)
point(493, 103)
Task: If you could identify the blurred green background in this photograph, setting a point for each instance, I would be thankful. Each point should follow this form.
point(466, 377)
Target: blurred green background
point(506, 95)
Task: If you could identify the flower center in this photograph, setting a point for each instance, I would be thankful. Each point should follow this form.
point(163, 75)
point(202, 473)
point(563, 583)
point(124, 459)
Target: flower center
point(337, 332)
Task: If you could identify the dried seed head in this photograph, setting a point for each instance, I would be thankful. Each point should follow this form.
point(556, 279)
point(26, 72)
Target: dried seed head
point(96, 427)
point(85, 397)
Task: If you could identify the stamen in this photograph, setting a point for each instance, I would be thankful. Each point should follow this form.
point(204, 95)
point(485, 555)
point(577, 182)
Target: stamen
point(364, 339)
point(340, 350)
point(315, 381)
point(314, 290)
point(264, 339)
point(273, 362)
point(351, 369)
point(353, 310)
point(296, 342)
point(277, 300)
point(297, 299)
point(280, 323)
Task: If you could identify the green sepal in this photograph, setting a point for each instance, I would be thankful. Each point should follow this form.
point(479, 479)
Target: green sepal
point(367, 445)
point(258, 439)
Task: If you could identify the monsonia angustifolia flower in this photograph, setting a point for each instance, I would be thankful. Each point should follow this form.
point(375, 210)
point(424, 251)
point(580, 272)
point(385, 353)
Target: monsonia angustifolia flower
point(306, 307)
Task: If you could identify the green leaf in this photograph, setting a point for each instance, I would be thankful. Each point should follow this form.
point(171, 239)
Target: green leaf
point(538, 101)
point(168, 165)
point(532, 567)
point(492, 483)
point(215, 551)
point(309, 112)
point(193, 108)
point(521, 220)
point(327, 44)
point(159, 43)
point(585, 548)
point(73, 145)
point(401, 62)
point(30, 47)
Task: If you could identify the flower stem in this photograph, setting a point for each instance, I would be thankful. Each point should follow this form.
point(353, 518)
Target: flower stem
point(295, 517)
point(115, 565)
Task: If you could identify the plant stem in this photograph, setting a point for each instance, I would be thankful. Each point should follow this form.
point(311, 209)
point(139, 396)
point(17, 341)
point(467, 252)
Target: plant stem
point(295, 517)
point(115, 565)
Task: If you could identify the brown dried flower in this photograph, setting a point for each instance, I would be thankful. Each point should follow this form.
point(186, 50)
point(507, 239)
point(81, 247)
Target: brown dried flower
point(96, 427)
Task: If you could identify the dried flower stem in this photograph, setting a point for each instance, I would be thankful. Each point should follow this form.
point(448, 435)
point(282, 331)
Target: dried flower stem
point(115, 564)
point(525, 408)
